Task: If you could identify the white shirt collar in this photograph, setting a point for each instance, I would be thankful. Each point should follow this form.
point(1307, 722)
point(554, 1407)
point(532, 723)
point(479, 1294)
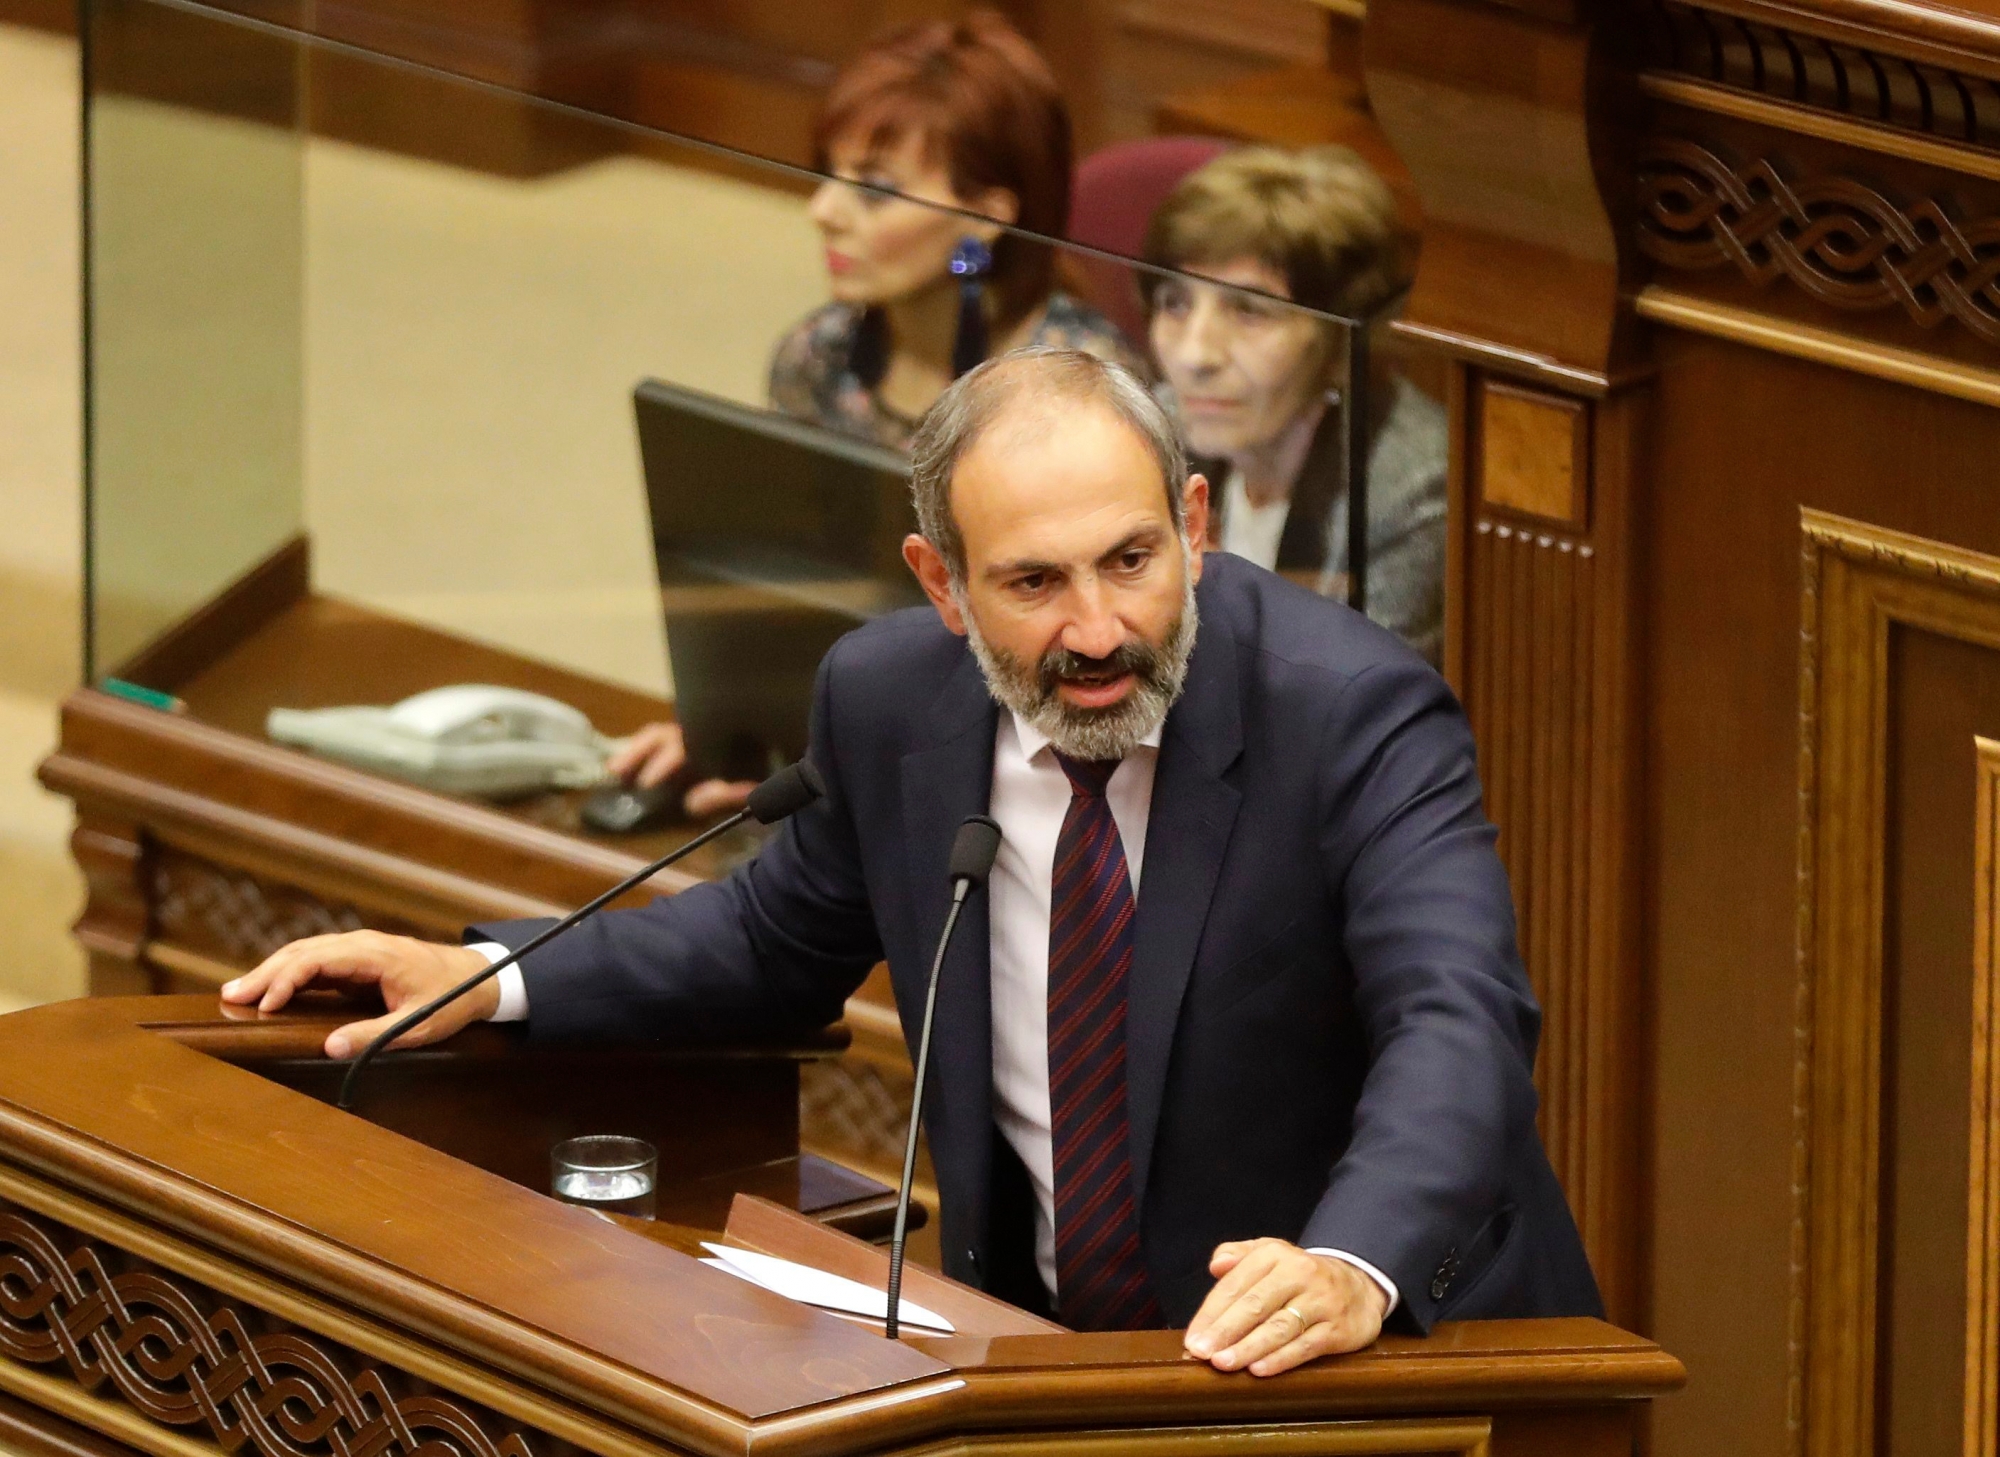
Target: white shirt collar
point(1033, 740)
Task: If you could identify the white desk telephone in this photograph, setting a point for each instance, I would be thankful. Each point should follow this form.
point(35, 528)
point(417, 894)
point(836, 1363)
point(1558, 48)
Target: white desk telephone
point(471, 738)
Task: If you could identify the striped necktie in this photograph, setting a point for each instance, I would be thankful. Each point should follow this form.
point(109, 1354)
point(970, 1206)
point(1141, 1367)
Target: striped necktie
point(1100, 1273)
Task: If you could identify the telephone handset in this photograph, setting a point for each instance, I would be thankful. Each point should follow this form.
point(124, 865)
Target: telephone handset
point(469, 738)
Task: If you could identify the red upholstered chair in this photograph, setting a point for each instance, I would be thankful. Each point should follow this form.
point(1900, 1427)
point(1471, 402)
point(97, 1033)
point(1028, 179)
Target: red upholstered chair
point(1115, 194)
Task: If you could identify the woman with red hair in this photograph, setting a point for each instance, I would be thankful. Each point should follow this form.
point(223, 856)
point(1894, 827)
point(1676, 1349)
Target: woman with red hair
point(934, 139)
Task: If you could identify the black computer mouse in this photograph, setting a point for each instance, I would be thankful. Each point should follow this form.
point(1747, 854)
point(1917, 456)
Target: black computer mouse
point(626, 809)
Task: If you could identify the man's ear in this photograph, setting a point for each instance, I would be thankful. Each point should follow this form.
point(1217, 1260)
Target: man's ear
point(1194, 505)
point(927, 563)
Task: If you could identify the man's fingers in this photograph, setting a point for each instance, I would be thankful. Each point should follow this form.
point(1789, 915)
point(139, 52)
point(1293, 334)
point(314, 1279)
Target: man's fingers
point(1226, 1257)
point(1284, 1325)
point(413, 988)
point(346, 1042)
point(348, 958)
point(1318, 1340)
point(252, 985)
point(271, 984)
point(1255, 1321)
point(1216, 1324)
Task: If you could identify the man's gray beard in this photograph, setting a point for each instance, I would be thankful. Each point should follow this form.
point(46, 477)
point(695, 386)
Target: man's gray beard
point(1091, 733)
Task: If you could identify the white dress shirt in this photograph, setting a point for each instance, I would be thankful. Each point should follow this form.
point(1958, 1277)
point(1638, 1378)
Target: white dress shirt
point(1031, 795)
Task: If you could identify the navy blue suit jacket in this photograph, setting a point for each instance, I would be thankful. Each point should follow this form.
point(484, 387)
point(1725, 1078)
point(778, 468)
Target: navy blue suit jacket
point(1330, 1034)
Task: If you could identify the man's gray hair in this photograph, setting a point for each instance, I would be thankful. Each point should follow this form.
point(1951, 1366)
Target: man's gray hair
point(1041, 377)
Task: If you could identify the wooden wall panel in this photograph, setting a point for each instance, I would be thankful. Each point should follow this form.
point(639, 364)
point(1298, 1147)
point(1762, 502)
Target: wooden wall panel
point(1540, 656)
point(1877, 1360)
point(1741, 438)
point(1982, 1266)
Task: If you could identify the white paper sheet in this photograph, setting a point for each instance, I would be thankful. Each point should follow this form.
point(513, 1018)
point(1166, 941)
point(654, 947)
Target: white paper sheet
point(816, 1287)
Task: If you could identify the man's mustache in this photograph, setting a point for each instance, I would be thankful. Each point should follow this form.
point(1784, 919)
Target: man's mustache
point(1134, 656)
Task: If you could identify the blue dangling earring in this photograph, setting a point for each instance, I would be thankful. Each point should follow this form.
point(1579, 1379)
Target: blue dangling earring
point(971, 262)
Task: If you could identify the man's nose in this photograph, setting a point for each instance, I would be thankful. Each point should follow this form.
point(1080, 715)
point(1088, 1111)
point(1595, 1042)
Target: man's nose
point(1094, 630)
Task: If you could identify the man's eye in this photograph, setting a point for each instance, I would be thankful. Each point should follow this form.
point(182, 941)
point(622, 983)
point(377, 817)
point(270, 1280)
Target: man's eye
point(1135, 559)
point(1033, 582)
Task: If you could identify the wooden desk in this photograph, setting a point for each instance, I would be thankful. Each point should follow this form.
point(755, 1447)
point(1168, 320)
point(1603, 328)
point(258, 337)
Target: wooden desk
point(196, 1257)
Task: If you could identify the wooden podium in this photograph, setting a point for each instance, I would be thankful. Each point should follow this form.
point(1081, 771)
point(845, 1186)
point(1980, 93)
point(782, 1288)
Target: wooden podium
point(198, 1257)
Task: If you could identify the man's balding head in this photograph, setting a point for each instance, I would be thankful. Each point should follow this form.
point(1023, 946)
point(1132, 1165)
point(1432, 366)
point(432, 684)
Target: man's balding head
point(1019, 397)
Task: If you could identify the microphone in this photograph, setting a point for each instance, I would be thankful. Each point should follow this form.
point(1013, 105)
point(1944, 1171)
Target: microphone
point(784, 794)
point(972, 852)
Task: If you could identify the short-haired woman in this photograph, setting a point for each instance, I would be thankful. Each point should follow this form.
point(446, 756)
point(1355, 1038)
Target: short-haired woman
point(1257, 384)
point(942, 115)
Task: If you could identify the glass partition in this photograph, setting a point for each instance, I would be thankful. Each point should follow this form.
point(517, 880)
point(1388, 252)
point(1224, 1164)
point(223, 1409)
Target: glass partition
point(395, 322)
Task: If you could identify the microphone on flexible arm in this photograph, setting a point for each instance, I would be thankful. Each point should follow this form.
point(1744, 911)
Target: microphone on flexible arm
point(784, 794)
point(972, 852)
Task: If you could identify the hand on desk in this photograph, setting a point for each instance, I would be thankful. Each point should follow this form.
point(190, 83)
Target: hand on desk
point(409, 973)
point(1275, 1306)
point(656, 753)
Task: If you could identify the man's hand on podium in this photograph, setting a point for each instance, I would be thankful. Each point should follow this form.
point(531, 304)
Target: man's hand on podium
point(1276, 1306)
point(408, 972)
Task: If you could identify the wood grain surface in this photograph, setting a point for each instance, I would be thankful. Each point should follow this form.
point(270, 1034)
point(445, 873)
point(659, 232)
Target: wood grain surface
point(112, 1122)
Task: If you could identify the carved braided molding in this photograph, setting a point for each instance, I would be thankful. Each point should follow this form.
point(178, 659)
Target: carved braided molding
point(1843, 243)
point(242, 918)
point(142, 1336)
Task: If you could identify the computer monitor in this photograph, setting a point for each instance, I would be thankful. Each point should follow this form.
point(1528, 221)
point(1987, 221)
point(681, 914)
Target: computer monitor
point(774, 537)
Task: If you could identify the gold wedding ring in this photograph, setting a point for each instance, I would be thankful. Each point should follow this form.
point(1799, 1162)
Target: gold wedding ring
point(1293, 1312)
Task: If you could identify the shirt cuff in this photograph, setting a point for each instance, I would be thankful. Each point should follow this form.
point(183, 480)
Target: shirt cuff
point(1388, 1285)
point(513, 991)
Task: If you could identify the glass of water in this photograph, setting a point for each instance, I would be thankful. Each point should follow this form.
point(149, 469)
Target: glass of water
point(607, 1172)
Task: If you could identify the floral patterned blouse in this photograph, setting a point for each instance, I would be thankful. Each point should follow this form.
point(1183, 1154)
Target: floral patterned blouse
point(826, 369)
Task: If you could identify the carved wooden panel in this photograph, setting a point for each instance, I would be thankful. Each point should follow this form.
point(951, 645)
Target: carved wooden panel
point(239, 918)
point(1810, 70)
point(113, 1329)
point(1982, 1275)
point(1842, 242)
point(854, 1111)
point(1529, 692)
point(1534, 452)
point(1859, 582)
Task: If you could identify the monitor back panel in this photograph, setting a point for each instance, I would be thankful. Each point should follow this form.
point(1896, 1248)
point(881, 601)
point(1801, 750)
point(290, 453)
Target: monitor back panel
point(774, 538)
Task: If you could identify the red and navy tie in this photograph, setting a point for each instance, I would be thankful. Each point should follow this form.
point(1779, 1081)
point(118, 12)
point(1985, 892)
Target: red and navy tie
point(1100, 1274)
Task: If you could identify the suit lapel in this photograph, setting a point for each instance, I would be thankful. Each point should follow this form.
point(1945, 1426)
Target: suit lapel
point(942, 783)
point(1187, 834)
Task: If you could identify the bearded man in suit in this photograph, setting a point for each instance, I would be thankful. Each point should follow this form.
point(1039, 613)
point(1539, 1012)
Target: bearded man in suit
point(1239, 1038)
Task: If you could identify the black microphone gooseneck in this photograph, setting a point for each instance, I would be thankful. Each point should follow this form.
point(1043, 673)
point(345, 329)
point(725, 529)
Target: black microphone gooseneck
point(785, 793)
point(972, 853)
